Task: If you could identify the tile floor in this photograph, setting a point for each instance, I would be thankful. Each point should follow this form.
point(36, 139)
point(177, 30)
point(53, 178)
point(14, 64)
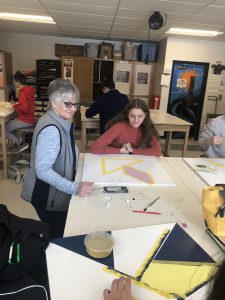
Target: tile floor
point(10, 190)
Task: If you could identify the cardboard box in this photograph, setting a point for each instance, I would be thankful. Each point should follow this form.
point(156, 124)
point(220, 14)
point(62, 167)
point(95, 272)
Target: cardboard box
point(92, 50)
point(106, 50)
point(150, 49)
point(68, 50)
point(129, 51)
point(117, 54)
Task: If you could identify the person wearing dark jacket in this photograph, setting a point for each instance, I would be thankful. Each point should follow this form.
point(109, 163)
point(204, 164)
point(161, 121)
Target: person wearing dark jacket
point(108, 106)
point(24, 108)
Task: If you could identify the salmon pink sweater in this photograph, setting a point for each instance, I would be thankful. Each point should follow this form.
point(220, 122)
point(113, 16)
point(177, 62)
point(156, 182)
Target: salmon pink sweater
point(121, 133)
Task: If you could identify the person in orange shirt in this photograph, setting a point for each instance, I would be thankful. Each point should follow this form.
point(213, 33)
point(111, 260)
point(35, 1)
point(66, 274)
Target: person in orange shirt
point(24, 108)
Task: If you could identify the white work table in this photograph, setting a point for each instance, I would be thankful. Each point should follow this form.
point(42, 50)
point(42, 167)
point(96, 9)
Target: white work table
point(74, 276)
point(181, 204)
point(5, 116)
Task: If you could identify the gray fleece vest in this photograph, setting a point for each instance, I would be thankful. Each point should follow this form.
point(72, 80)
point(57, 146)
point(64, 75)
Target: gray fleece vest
point(38, 192)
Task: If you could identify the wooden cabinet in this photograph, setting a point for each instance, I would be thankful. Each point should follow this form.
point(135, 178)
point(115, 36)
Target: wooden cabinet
point(141, 81)
point(80, 71)
point(103, 70)
point(6, 76)
point(133, 78)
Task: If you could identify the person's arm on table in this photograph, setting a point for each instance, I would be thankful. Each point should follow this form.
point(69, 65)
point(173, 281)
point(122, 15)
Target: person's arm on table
point(22, 105)
point(47, 150)
point(154, 150)
point(208, 136)
point(93, 110)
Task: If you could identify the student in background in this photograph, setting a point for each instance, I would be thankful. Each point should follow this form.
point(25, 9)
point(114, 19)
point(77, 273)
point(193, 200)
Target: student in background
point(131, 132)
point(24, 108)
point(50, 180)
point(107, 106)
point(212, 138)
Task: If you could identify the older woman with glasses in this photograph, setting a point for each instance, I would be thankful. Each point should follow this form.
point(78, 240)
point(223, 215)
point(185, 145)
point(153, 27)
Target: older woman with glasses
point(50, 180)
point(130, 132)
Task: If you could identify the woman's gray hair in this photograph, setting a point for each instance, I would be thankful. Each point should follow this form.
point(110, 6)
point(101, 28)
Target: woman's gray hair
point(59, 88)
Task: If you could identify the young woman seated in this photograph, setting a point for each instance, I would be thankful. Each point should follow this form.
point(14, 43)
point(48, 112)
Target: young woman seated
point(130, 132)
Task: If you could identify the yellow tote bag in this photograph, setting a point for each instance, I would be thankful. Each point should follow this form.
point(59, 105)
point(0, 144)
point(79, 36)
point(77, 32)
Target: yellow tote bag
point(213, 202)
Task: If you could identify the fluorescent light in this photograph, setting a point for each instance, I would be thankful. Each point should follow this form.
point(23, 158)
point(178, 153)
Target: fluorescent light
point(196, 32)
point(26, 18)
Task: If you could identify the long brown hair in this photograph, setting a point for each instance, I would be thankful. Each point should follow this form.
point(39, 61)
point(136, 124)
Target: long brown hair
point(147, 127)
point(217, 291)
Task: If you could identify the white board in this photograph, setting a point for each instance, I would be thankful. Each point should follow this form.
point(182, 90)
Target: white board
point(211, 170)
point(117, 169)
point(73, 276)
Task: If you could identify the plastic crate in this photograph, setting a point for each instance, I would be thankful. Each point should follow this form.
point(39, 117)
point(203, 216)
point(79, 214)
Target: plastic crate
point(151, 49)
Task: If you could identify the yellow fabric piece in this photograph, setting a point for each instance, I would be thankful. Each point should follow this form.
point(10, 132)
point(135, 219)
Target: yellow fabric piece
point(138, 283)
point(153, 251)
point(176, 279)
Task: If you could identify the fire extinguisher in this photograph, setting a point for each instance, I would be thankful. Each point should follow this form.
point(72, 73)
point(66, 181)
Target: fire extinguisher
point(155, 102)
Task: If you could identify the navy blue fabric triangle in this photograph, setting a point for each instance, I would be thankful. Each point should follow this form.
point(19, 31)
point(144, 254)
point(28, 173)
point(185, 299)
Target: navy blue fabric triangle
point(76, 244)
point(179, 246)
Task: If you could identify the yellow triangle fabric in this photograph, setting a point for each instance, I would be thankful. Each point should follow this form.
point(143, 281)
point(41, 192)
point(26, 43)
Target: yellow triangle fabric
point(176, 279)
point(110, 165)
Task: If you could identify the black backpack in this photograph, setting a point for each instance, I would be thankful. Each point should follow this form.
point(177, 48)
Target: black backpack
point(23, 268)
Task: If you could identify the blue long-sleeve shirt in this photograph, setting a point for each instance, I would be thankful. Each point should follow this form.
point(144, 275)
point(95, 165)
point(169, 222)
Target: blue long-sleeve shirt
point(44, 160)
point(108, 106)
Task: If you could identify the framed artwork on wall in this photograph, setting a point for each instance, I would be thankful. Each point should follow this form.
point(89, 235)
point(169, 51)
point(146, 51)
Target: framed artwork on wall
point(187, 92)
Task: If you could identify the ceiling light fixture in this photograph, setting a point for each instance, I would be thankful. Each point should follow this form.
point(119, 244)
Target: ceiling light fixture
point(26, 18)
point(195, 32)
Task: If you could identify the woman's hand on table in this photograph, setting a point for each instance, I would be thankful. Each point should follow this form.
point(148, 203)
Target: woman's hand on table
point(84, 189)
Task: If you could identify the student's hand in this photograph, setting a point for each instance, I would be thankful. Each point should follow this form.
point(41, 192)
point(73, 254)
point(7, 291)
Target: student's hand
point(120, 290)
point(217, 140)
point(123, 150)
point(129, 147)
point(84, 188)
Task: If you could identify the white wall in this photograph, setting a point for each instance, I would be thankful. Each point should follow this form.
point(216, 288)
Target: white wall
point(26, 48)
point(159, 66)
point(199, 51)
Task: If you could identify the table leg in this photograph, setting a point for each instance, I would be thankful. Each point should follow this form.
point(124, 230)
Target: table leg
point(4, 153)
point(83, 138)
point(186, 140)
point(168, 141)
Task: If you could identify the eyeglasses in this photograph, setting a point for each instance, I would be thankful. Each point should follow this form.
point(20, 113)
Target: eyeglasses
point(70, 104)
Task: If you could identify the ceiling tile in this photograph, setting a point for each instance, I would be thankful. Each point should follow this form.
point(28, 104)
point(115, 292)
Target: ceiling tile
point(110, 3)
point(213, 11)
point(161, 6)
point(80, 8)
point(20, 10)
point(218, 3)
point(61, 16)
point(207, 20)
point(131, 21)
point(35, 4)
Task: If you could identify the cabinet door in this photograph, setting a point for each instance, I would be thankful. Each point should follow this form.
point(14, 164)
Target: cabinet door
point(106, 70)
point(123, 76)
point(6, 76)
point(83, 77)
point(96, 71)
point(141, 84)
